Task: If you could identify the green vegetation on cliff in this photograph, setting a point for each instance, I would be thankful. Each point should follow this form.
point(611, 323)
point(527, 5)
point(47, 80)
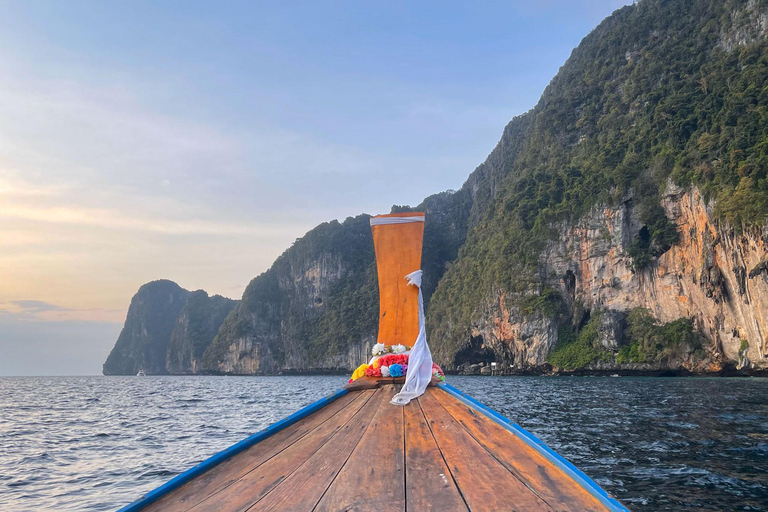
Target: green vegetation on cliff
point(578, 351)
point(659, 90)
point(316, 300)
point(651, 341)
point(647, 341)
point(196, 326)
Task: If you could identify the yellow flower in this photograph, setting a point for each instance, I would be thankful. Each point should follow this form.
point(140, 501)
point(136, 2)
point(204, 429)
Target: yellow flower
point(359, 372)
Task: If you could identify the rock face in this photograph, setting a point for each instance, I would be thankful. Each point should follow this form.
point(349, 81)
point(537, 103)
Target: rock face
point(749, 24)
point(712, 275)
point(707, 277)
point(197, 324)
point(166, 331)
point(623, 192)
point(143, 342)
point(313, 310)
point(618, 225)
point(316, 309)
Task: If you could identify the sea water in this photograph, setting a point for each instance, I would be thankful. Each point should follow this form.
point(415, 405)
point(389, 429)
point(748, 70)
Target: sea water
point(97, 443)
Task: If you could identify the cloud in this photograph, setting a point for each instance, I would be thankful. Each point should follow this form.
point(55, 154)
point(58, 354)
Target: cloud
point(36, 306)
point(111, 219)
point(75, 137)
point(42, 311)
point(13, 186)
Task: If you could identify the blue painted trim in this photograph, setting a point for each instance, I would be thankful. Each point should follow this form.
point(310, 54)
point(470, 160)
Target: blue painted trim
point(538, 445)
point(236, 448)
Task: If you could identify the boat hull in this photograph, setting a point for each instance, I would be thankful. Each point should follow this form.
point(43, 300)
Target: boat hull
point(353, 450)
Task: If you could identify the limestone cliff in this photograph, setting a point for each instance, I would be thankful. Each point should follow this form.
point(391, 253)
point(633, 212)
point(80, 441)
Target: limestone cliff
point(194, 329)
point(166, 330)
point(713, 275)
point(143, 342)
point(314, 309)
point(620, 224)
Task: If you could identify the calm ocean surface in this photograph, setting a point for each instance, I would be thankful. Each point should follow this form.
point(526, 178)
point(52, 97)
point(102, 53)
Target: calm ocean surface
point(97, 443)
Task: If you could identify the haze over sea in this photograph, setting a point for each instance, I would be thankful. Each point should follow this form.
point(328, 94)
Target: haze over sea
point(97, 443)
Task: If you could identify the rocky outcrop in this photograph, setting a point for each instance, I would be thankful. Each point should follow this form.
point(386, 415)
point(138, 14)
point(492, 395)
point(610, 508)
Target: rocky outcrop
point(746, 25)
point(316, 309)
point(197, 324)
point(313, 310)
point(143, 342)
point(713, 275)
point(706, 277)
point(584, 225)
point(519, 339)
point(166, 331)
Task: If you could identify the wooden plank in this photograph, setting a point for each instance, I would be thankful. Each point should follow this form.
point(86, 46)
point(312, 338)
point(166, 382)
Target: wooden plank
point(373, 478)
point(398, 253)
point(302, 489)
point(252, 486)
point(484, 483)
point(429, 484)
point(229, 471)
point(549, 482)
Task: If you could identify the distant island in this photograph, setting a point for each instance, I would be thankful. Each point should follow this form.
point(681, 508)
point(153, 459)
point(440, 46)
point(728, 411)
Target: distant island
point(618, 226)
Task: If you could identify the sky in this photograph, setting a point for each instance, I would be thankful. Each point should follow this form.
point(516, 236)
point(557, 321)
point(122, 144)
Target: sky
point(195, 141)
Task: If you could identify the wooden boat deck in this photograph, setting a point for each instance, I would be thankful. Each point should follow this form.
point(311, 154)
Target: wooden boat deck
point(361, 453)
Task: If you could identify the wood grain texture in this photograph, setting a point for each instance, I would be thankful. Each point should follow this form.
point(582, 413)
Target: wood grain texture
point(398, 253)
point(303, 489)
point(550, 483)
point(362, 454)
point(229, 471)
point(430, 485)
point(484, 482)
point(373, 478)
point(254, 485)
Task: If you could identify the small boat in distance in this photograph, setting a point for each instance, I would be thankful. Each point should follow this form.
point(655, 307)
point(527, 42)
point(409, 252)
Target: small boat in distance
point(382, 443)
point(141, 374)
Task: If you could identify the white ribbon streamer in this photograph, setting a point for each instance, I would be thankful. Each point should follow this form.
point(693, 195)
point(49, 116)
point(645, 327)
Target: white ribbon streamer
point(378, 221)
point(419, 372)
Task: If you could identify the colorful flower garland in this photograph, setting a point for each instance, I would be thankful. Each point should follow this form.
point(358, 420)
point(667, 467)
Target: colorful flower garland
point(393, 364)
